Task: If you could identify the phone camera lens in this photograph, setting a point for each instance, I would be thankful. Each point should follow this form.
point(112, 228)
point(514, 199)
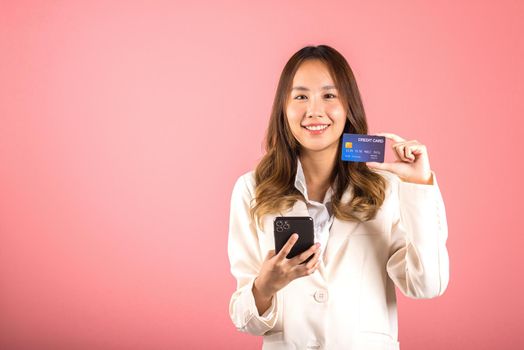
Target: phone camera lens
point(279, 223)
point(279, 229)
point(286, 226)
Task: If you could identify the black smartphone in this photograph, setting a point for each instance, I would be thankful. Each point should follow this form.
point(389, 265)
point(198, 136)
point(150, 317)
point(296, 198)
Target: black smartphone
point(285, 226)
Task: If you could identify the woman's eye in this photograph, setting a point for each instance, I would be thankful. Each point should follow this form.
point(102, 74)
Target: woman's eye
point(326, 95)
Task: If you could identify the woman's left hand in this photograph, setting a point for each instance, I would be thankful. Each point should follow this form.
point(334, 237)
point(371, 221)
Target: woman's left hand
point(412, 164)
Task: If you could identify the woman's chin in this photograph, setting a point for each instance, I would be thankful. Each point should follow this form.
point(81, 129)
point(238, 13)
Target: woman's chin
point(317, 147)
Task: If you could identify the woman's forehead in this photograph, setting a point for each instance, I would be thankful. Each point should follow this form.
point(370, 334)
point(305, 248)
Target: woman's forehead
point(313, 75)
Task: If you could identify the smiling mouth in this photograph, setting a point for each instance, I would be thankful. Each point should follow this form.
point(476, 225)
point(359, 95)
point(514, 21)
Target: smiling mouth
point(316, 127)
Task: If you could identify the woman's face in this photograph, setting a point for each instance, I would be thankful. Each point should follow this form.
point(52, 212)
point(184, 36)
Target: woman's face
point(314, 110)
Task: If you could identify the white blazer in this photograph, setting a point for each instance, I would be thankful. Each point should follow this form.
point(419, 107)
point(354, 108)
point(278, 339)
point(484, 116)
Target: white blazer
point(350, 301)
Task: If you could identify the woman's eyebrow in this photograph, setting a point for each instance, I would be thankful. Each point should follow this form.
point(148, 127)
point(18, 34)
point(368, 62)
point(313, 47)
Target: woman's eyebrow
point(327, 87)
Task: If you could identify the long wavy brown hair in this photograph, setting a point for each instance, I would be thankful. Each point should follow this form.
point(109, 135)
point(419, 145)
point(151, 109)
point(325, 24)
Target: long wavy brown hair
point(275, 173)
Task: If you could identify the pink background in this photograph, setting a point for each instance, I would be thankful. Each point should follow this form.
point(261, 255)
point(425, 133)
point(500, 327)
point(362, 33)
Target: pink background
point(123, 126)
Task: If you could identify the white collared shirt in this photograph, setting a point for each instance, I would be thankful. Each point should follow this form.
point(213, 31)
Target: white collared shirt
point(321, 213)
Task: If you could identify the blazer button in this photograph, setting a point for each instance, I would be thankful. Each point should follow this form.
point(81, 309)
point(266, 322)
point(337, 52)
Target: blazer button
point(321, 296)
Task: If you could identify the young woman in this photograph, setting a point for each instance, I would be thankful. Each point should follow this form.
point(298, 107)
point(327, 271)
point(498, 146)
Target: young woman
point(377, 225)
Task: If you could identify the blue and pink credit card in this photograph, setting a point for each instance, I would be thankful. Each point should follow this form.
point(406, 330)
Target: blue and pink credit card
point(363, 148)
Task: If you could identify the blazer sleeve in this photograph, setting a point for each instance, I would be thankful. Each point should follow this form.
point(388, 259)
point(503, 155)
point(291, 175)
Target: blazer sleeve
point(245, 258)
point(418, 263)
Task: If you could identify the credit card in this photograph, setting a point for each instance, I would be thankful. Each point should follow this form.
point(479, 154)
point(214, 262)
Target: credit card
point(363, 148)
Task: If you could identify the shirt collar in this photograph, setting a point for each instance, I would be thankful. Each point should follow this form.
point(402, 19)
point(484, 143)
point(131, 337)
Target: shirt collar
point(300, 184)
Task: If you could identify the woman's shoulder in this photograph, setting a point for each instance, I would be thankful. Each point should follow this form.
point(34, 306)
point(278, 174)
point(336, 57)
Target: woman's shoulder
point(247, 177)
point(246, 182)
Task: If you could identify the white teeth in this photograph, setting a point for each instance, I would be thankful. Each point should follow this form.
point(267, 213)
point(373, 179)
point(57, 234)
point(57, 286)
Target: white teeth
point(317, 127)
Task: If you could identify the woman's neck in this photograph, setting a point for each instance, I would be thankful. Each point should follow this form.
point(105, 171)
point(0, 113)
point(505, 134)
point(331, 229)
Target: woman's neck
point(318, 166)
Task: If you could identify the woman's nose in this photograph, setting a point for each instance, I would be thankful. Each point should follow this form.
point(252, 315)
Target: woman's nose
point(315, 108)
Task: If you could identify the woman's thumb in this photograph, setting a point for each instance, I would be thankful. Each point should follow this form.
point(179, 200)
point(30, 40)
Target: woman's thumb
point(376, 165)
point(382, 166)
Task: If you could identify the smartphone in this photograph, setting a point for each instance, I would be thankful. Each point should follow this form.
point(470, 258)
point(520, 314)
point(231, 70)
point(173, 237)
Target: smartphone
point(285, 226)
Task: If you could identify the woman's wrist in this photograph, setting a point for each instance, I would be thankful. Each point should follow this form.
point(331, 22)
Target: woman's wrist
point(260, 292)
point(262, 300)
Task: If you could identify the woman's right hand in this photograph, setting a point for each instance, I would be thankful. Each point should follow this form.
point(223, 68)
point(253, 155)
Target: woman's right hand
point(277, 270)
